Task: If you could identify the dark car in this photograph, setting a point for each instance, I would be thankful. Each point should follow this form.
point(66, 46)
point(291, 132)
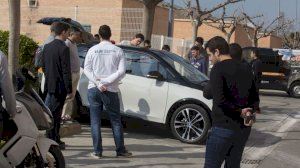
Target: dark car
point(276, 73)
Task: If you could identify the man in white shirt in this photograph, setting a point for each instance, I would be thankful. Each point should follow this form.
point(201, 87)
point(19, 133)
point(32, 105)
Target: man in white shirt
point(75, 37)
point(105, 67)
point(136, 41)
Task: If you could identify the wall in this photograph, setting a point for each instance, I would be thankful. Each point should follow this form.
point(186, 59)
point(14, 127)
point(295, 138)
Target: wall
point(183, 30)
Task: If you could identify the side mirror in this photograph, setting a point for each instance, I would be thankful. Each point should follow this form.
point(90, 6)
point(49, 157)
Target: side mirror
point(155, 75)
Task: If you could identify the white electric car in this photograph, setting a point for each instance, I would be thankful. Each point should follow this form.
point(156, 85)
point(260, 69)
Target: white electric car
point(160, 87)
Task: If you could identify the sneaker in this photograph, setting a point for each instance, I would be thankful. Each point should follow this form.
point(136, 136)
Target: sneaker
point(96, 155)
point(126, 154)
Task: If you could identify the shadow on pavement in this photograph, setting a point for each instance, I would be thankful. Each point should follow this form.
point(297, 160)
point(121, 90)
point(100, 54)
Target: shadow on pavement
point(273, 93)
point(262, 139)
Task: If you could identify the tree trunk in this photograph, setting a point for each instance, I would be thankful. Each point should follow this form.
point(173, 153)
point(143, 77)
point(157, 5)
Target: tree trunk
point(14, 35)
point(255, 42)
point(148, 20)
point(228, 37)
point(195, 25)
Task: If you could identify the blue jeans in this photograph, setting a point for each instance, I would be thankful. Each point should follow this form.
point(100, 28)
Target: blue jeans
point(55, 102)
point(111, 103)
point(225, 144)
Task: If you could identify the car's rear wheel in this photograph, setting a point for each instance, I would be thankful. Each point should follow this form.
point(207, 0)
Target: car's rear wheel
point(294, 90)
point(190, 123)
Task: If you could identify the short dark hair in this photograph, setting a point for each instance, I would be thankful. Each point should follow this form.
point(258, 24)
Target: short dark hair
point(166, 47)
point(105, 32)
point(147, 42)
point(140, 35)
point(195, 48)
point(59, 27)
point(235, 51)
point(75, 30)
point(96, 35)
point(255, 51)
point(219, 43)
point(199, 40)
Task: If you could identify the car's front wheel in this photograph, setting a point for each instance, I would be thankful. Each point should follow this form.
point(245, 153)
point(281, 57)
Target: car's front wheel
point(190, 123)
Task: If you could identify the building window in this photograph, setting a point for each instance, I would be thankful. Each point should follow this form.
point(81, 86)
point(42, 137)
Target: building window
point(32, 3)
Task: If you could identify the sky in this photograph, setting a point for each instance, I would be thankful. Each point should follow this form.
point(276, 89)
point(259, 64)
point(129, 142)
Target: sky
point(269, 8)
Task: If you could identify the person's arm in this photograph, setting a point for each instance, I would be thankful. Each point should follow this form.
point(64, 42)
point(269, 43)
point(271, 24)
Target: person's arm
point(88, 68)
point(66, 68)
point(217, 88)
point(119, 74)
point(7, 87)
point(207, 91)
point(254, 97)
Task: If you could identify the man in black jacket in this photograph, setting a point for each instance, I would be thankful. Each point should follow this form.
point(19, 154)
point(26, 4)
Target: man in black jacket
point(58, 85)
point(234, 97)
point(256, 65)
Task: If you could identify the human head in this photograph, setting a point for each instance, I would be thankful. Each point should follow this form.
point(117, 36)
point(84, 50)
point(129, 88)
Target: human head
point(147, 44)
point(137, 40)
point(62, 30)
point(217, 47)
point(104, 32)
point(235, 51)
point(97, 37)
point(195, 50)
point(254, 53)
point(199, 41)
point(166, 47)
point(75, 35)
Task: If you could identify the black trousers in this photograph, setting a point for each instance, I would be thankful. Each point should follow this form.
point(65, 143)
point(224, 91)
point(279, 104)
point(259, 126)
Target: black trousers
point(55, 102)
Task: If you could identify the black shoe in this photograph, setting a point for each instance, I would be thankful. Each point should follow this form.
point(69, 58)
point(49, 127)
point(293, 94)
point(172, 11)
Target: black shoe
point(126, 154)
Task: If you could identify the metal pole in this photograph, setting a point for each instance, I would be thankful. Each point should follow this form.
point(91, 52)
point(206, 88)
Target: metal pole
point(170, 24)
point(296, 15)
point(76, 12)
point(14, 35)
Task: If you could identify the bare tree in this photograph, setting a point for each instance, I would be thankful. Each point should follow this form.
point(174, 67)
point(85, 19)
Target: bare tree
point(149, 11)
point(197, 15)
point(291, 40)
point(14, 35)
point(259, 30)
point(226, 24)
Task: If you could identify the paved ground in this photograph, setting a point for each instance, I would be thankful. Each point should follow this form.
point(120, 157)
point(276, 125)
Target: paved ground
point(154, 146)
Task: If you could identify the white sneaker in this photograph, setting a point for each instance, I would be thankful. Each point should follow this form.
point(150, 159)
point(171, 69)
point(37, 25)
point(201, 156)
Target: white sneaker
point(96, 156)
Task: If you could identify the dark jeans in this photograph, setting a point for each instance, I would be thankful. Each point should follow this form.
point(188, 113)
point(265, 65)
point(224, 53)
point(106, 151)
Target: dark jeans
point(55, 103)
point(225, 144)
point(111, 103)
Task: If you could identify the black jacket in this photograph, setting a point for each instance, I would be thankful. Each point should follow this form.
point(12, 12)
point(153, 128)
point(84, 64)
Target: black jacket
point(232, 88)
point(56, 66)
point(257, 70)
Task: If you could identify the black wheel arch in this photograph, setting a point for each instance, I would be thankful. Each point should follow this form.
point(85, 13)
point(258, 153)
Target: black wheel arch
point(183, 102)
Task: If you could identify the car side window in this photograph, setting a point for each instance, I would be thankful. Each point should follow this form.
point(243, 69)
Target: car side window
point(140, 64)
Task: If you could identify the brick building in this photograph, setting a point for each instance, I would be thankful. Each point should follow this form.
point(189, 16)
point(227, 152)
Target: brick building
point(183, 27)
point(123, 16)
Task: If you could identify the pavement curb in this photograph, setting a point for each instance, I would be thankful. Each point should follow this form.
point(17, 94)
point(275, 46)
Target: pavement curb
point(69, 129)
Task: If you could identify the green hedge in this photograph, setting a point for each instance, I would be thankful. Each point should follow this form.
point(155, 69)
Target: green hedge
point(27, 48)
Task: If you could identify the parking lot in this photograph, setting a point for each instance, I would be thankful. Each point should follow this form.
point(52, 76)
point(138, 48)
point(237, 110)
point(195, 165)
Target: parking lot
point(154, 146)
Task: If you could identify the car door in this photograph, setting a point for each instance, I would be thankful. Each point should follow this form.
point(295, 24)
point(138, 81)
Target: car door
point(141, 96)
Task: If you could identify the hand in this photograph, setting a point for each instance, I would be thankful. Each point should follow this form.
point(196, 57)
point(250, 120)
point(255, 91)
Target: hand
point(103, 88)
point(246, 112)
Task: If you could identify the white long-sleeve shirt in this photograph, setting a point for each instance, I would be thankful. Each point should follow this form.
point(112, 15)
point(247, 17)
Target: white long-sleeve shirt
point(105, 65)
point(7, 86)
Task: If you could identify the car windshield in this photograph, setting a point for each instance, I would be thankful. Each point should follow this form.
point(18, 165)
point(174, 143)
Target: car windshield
point(183, 67)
